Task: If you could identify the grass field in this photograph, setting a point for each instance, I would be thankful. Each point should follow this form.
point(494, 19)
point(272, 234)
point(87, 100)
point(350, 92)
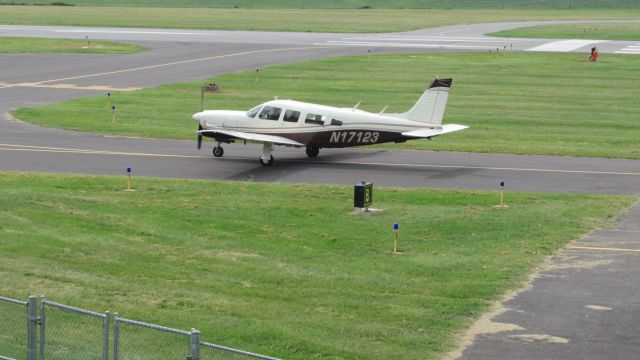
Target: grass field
point(285, 270)
point(37, 45)
point(351, 4)
point(598, 31)
point(316, 20)
point(552, 104)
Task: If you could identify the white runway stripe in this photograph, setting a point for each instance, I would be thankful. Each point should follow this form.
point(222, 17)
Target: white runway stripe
point(564, 45)
point(407, 45)
point(631, 49)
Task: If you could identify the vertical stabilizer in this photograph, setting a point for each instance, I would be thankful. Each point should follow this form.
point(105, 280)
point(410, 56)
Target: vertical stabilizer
point(430, 106)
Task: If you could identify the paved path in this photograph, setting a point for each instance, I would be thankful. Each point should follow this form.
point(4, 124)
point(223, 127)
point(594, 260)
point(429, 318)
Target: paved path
point(585, 304)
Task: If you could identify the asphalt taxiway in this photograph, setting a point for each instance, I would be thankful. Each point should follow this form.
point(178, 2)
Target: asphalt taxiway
point(584, 311)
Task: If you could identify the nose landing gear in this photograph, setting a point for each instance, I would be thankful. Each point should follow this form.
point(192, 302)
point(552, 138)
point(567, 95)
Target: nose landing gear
point(266, 159)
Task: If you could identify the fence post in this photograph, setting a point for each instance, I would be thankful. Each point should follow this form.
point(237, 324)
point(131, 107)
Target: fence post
point(116, 336)
point(42, 326)
point(105, 336)
point(194, 353)
point(32, 330)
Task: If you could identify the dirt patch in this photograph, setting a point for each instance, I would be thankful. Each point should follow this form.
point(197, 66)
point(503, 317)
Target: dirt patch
point(540, 338)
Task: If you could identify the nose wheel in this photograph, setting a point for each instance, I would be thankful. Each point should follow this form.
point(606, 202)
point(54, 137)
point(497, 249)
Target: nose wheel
point(218, 151)
point(266, 159)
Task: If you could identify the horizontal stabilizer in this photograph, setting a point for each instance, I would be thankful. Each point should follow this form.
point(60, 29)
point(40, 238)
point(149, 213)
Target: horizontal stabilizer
point(427, 133)
point(261, 138)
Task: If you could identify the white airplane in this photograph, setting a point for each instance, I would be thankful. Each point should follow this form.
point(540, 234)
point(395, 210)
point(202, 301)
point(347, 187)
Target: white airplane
point(300, 124)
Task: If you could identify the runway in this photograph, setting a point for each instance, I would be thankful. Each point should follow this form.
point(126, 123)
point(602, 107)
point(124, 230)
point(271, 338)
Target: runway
point(180, 55)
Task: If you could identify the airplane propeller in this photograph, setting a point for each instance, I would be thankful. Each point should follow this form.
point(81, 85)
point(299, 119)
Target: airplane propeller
point(199, 137)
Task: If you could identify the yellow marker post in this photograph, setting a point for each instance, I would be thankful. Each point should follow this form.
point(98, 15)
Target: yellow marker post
point(109, 99)
point(257, 74)
point(395, 239)
point(502, 205)
point(113, 114)
point(129, 179)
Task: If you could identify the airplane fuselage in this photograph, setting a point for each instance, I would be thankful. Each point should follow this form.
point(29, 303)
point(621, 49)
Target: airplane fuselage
point(311, 124)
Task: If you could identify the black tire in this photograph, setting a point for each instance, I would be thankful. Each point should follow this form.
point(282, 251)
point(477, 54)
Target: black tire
point(218, 151)
point(266, 163)
point(312, 151)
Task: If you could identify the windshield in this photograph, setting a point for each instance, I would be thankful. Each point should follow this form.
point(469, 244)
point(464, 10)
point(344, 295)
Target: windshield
point(252, 113)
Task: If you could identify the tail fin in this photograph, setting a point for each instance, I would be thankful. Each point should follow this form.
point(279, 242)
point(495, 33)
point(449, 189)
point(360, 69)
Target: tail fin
point(430, 106)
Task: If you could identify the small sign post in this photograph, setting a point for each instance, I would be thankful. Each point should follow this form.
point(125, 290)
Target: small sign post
point(396, 230)
point(363, 195)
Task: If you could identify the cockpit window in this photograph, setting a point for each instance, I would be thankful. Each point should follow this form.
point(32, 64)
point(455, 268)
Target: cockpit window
point(270, 113)
point(252, 113)
point(291, 116)
point(315, 119)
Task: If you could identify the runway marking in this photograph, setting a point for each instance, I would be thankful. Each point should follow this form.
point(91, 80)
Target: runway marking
point(178, 62)
point(129, 32)
point(67, 86)
point(564, 45)
point(30, 148)
point(631, 49)
point(603, 249)
point(394, 44)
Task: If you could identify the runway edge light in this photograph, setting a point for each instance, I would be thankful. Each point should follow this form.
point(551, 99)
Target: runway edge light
point(113, 113)
point(501, 205)
point(396, 230)
point(109, 99)
point(129, 179)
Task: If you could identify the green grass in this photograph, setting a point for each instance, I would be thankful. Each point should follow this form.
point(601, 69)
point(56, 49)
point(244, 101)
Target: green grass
point(550, 104)
point(597, 30)
point(285, 270)
point(317, 20)
point(349, 4)
point(38, 45)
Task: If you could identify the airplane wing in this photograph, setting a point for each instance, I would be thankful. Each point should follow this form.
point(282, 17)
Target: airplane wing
point(427, 133)
point(261, 138)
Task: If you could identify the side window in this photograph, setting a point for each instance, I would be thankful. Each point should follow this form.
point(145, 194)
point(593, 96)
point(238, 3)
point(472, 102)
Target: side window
point(291, 116)
point(315, 119)
point(270, 113)
point(252, 113)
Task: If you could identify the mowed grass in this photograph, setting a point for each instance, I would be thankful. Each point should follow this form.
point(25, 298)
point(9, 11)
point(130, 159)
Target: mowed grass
point(38, 45)
point(294, 19)
point(533, 103)
point(596, 30)
point(285, 270)
point(349, 4)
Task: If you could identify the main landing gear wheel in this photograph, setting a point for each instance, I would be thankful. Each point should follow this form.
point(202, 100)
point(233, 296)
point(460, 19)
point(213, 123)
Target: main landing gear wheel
point(312, 151)
point(266, 163)
point(218, 151)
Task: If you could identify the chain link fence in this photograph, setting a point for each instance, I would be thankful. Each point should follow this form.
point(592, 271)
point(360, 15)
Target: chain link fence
point(13, 328)
point(67, 332)
point(70, 333)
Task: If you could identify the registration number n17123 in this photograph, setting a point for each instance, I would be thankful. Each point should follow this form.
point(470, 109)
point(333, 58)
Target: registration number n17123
point(354, 137)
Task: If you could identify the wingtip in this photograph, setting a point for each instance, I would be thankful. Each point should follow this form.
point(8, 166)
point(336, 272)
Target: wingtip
point(441, 83)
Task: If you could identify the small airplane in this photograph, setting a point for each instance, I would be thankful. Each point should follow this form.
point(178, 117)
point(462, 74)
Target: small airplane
point(300, 124)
